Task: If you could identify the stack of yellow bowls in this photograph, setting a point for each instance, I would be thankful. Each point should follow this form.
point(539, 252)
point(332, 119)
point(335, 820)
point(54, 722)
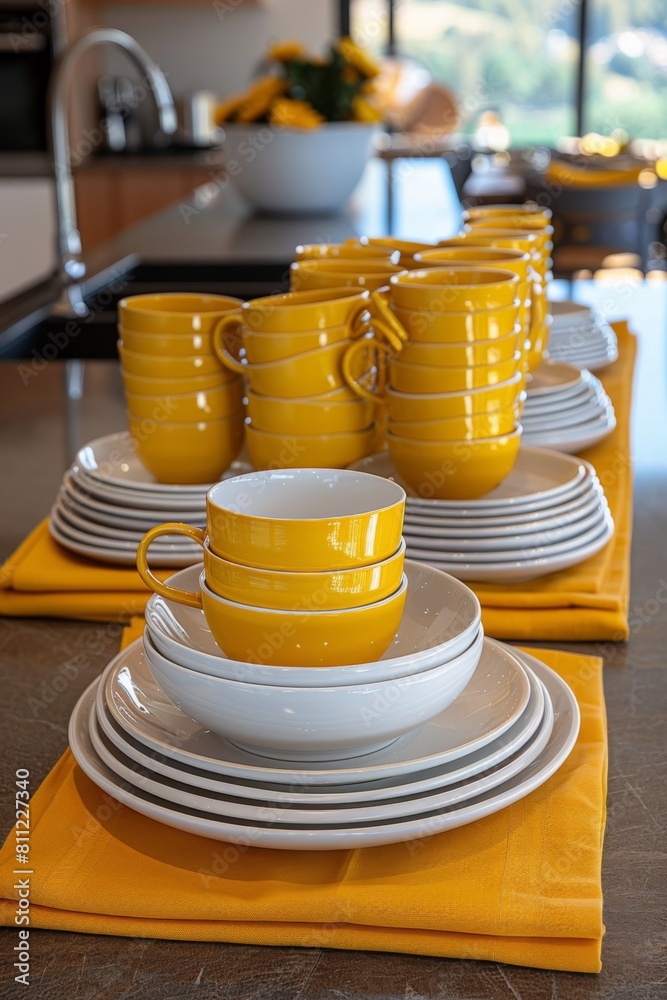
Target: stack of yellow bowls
point(301, 568)
point(290, 349)
point(455, 388)
point(185, 410)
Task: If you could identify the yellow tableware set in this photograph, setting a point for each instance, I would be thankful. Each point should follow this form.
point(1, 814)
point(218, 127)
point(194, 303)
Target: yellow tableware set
point(185, 410)
point(290, 348)
point(301, 568)
point(455, 387)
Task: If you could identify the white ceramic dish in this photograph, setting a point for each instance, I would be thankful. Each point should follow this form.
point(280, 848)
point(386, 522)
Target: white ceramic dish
point(508, 744)
point(567, 418)
point(440, 620)
point(113, 460)
point(412, 802)
point(554, 376)
point(491, 703)
point(115, 557)
point(312, 723)
point(566, 313)
point(342, 835)
point(136, 499)
point(117, 516)
point(572, 440)
point(520, 570)
point(67, 523)
point(106, 533)
point(537, 479)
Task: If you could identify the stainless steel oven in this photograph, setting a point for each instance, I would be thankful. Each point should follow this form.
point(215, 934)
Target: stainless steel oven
point(31, 34)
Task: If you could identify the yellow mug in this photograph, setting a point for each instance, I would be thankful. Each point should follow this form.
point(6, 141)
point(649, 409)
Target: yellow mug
point(174, 312)
point(403, 406)
point(308, 415)
point(406, 248)
point(466, 289)
point(206, 404)
point(170, 366)
point(345, 251)
point(371, 273)
point(187, 453)
point(141, 385)
point(530, 211)
point(470, 428)
point(457, 327)
point(269, 450)
point(167, 344)
point(457, 355)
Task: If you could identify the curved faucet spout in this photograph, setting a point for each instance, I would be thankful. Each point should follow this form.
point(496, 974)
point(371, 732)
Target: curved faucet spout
point(71, 266)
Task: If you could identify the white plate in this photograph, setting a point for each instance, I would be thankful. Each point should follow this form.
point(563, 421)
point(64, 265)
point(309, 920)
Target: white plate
point(593, 362)
point(117, 516)
point(575, 439)
point(519, 570)
point(106, 532)
point(553, 376)
point(515, 524)
point(440, 620)
point(492, 702)
point(116, 557)
point(493, 754)
point(590, 385)
point(217, 802)
point(508, 545)
point(67, 525)
point(538, 477)
point(527, 546)
point(346, 836)
point(139, 500)
point(568, 313)
point(568, 418)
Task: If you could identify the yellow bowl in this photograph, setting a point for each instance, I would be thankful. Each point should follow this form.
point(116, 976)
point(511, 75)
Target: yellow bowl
point(516, 261)
point(299, 416)
point(523, 223)
point(454, 470)
point(407, 248)
point(456, 327)
point(173, 344)
point(436, 289)
point(420, 378)
point(180, 453)
point(307, 374)
point(529, 211)
point(266, 588)
point(480, 352)
point(308, 451)
point(312, 520)
point(261, 348)
point(345, 251)
point(174, 312)
point(207, 404)
point(303, 312)
point(141, 386)
point(154, 366)
point(477, 425)
point(371, 273)
point(308, 638)
point(404, 406)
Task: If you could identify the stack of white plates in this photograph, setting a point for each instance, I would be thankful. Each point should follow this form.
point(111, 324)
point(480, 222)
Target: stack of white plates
point(581, 337)
point(510, 729)
point(108, 501)
point(548, 514)
point(566, 409)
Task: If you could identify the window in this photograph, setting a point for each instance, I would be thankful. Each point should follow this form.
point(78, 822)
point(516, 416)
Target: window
point(522, 59)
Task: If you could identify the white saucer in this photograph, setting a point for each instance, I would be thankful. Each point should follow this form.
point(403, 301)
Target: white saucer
point(342, 835)
point(105, 532)
point(136, 499)
point(554, 376)
point(492, 702)
point(117, 515)
point(116, 557)
point(572, 440)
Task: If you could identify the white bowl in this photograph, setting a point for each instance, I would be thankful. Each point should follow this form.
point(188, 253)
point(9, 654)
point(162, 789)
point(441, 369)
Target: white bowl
point(314, 723)
point(440, 620)
point(298, 170)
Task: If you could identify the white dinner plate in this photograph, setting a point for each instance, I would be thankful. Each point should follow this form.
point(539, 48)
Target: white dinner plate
point(495, 528)
point(342, 835)
point(553, 376)
point(553, 402)
point(566, 418)
point(217, 802)
point(440, 620)
point(106, 532)
point(575, 439)
point(65, 523)
point(136, 499)
point(518, 570)
point(507, 545)
point(537, 479)
point(118, 516)
point(492, 702)
point(116, 557)
point(565, 313)
point(490, 756)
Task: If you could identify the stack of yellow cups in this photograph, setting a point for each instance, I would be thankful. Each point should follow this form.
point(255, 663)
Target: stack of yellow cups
point(456, 386)
point(290, 348)
point(350, 265)
point(185, 410)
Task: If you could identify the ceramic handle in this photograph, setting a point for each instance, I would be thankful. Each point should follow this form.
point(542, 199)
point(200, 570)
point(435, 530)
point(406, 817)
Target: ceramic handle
point(189, 598)
point(383, 352)
point(223, 326)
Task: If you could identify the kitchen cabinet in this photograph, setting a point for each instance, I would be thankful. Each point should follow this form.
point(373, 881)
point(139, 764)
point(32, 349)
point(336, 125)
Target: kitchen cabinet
point(111, 198)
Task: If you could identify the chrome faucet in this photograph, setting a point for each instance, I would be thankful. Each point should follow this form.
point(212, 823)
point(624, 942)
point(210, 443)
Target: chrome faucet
point(71, 267)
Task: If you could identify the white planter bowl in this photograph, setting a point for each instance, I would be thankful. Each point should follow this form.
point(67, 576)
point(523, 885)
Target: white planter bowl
point(440, 620)
point(314, 723)
point(298, 171)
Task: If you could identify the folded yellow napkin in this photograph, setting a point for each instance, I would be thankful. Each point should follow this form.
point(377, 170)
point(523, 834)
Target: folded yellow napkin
point(521, 887)
point(589, 601)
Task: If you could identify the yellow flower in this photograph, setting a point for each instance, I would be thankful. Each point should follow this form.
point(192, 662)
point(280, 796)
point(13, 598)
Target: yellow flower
point(294, 114)
point(364, 111)
point(285, 51)
point(258, 99)
point(356, 57)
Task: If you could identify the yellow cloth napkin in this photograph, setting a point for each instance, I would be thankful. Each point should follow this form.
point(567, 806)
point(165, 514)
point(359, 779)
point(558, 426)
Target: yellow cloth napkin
point(589, 601)
point(573, 175)
point(521, 887)
point(42, 579)
point(586, 602)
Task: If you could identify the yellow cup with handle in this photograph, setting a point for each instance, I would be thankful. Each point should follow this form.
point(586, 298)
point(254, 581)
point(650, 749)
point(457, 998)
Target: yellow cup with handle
point(174, 312)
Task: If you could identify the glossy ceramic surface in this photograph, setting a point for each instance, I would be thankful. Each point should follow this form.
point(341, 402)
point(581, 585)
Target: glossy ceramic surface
point(91, 549)
point(174, 312)
point(187, 453)
point(142, 386)
point(308, 450)
point(440, 620)
point(412, 378)
point(481, 425)
point(298, 312)
point(436, 289)
point(155, 366)
point(440, 327)
point(482, 352)
point(442, 406)
point(205, 404)
point(309, 374)
point(296, 416)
